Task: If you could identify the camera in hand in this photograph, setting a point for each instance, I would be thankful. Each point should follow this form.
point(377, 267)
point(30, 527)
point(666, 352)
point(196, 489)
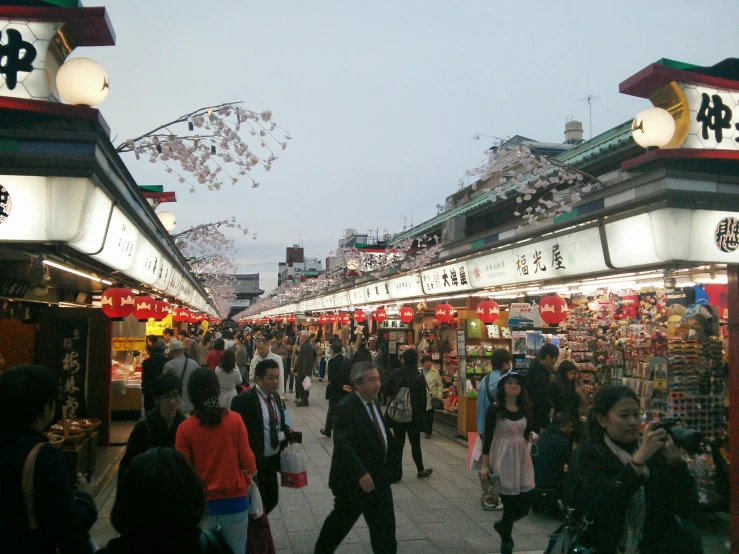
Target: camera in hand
point(687, 439)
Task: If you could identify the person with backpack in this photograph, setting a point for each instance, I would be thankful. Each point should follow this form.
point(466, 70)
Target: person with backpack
point(182, 366)
point(407, 391)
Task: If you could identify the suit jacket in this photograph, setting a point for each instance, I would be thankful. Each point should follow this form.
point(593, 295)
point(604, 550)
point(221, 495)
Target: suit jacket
point(338, 376)
point(305, 360)
point(358, 449)
point(249, 406)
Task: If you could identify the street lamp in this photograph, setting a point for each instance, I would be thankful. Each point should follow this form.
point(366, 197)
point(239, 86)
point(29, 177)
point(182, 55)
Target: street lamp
point(168, 220)
point(653, 128)
point(82, 82)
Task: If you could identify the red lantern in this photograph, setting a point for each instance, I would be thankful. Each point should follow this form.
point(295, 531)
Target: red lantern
point(162, 310)
point(406, 314)
point(333, 318)
point(553, 309)
point(178, 314)
point(322, 319)
point(444, 313)
point(145, 308)
point(345, 319)
point(117, 303)
point(488, 311)
point(360, 316)
point(380, 315)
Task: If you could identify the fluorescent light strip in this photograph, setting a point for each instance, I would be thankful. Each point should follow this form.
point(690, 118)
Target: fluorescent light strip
point(75, 272)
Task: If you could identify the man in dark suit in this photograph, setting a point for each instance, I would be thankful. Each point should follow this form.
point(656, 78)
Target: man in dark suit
point(264, 417)
point(366, 461)
point(338, 384)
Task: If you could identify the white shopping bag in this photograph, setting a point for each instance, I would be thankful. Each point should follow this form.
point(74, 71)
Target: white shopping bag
point(476, 458)
point(292, 467)
point(307, 383)
point(256, 508)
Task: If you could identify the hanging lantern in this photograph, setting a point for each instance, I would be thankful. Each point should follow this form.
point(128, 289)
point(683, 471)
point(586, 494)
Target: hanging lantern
point(444, 313)
point(360, 316)
point(178, 314)
point(145, 308)
point(333, 319)
point(161, 310)
point(117, 303)
point(553, 309)
point(488, 311)
point(406, 314)
point(380, 315)
point(322, 319)
point(345, 319)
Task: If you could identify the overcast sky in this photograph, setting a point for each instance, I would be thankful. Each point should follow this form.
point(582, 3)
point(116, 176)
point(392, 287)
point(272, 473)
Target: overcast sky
point(382, 97)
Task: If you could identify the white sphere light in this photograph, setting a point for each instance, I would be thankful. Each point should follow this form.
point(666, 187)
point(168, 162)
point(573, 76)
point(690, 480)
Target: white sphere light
point(82, 82)
point(653, 127)
point(168, 220)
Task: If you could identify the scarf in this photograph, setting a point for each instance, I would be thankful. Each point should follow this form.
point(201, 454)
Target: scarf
point(636, 511)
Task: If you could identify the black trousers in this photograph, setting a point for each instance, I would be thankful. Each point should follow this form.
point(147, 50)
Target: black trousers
point(379, 513)
point(300, 392)
point(268, 482)
point(514, 508)
point(428, 421)
point(414, 436)
point(330, 415)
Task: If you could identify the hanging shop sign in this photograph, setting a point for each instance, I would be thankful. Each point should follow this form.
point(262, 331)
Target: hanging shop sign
point(574, 254)
point(446, 278)
point(377, 292)
point(356, 296)
point(72, 370)
point(394, 324)
point(714, 117)
point(521, 315)
point(407, 286)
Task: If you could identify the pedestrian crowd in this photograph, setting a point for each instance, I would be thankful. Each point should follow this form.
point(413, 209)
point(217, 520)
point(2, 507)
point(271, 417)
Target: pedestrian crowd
point(200, 472)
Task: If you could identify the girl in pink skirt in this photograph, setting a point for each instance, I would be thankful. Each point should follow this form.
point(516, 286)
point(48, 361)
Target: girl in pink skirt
point(507, 431)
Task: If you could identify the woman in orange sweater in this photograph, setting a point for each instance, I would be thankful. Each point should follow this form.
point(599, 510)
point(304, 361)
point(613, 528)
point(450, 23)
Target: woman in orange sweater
point(214, 440)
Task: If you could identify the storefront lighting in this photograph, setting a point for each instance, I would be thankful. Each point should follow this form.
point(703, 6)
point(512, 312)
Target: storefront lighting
point(653, 128)
point(75, 272)
point(168, 219)
point(82, 82)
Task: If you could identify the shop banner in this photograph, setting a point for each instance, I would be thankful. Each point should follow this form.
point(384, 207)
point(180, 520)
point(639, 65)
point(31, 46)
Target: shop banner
point(407, 286)
point(71, 355)
point(356, 296)
point(377, 292)
point(446, 278)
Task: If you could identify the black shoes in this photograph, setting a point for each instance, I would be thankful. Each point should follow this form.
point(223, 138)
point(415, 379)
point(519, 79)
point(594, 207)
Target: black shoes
point(425, 473)
point(301, 403)
point(325, 434)
point(506, 546)
point(428, 435)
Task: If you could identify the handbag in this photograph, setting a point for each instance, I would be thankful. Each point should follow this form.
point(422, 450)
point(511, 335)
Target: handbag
point(567, 537)
point(256, 508)
point(260, 537)
point(307, 383)
point(293, 467)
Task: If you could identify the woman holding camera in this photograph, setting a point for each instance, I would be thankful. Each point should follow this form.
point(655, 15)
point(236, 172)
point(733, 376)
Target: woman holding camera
point(633, 491)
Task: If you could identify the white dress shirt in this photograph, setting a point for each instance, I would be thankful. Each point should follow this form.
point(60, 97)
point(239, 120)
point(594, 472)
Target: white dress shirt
point(372, 406)
point(268, 450)
point(270, 356)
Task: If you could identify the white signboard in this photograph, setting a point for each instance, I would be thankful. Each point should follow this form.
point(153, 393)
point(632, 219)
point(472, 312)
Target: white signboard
point(446, 278)
point(574, 254)
point(377, 292)
point(356, 296)
point(714, 118)
point(407, 286)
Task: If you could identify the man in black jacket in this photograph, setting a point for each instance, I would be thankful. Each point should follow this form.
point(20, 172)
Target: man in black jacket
point(264, 416)
point(338, 384)
point(151, 369)
point(365, 463)
point(539, 386)
point(64, 517)
point(303, 368)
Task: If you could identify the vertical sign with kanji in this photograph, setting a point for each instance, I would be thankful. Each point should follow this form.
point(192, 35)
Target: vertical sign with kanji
point(72, 336)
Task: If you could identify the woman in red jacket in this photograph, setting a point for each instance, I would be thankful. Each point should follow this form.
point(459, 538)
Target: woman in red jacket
point(214, 440)
point(215, 356)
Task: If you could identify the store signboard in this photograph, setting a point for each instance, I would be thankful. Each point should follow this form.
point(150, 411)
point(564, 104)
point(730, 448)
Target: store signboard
point(356, 296)
point(71, 353)
point(714, 117)
point(446, 278)
point(341, 299)
point(407, 286)
point(394, 324)
point(574, 254)
point(377, 292)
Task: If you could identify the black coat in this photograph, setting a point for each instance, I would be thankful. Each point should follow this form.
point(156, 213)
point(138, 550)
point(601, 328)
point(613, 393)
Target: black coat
point(358, 449)
point(566, 399)
point(554, 450)
point(64, 516)
point(539, 387)
point(416, 383)
point(151, 369)
point(249, 407)
point(338, 375)
point(599, 487)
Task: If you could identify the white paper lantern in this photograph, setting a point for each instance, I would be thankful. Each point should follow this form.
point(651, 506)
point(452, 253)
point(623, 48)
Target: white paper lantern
point(168, 220)
point(82, 82)
point(653, 127)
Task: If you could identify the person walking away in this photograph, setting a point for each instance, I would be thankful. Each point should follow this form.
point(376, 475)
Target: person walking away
point(321, 347)
point(365, 462)
point(191, 345)
point(303, 368)
point(158, 508)
point(280, 349)
point(407, 390)
point(539, 386)
point(338, 386)
point(264, 416)
point(63, 516)
point(242, 358)
point(215, 356)
point(567, 397)
point(502, 361)
point(206, 345)
point(634, 490)
point(555, 448)
point(507, 430)
point(262, 353)
point(151, 369)
point(228, 340)
point(382, 362)
point(215, 441)
point(434, 389)
point(288, 367)
point(159, 426)
point(181, 366)
point(228, 378)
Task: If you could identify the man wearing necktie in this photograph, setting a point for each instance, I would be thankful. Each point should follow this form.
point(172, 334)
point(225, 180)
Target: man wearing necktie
point(365, 462)
point(264, 417)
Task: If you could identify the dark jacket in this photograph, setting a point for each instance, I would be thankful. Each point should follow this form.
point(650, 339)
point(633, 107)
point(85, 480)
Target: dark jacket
point(599, 487)
point(554, 450)
point(565, 399)
point(416, 382)
point(539, 387)
point(151, 369)
point(249, 406)
point(358, 449)
point(163, 542)
point(306, 358)
point(338, 376)
point(150, 432)
point(64, 516)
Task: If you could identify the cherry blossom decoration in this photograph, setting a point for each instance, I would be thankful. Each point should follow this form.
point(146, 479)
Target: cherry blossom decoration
point(222, 144)
point(411, 254)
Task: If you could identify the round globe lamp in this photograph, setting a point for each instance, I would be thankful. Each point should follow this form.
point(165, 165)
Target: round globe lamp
point(168, 220)
point(653, 128)
point(82, 82)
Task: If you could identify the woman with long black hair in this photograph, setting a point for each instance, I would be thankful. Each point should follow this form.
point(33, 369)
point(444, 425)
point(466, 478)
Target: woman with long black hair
point(505, 451)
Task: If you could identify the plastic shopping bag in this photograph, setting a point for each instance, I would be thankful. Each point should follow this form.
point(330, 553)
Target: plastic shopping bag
point(292, 467)
point(307, 383)
point(474, 451)
point(256, 508)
